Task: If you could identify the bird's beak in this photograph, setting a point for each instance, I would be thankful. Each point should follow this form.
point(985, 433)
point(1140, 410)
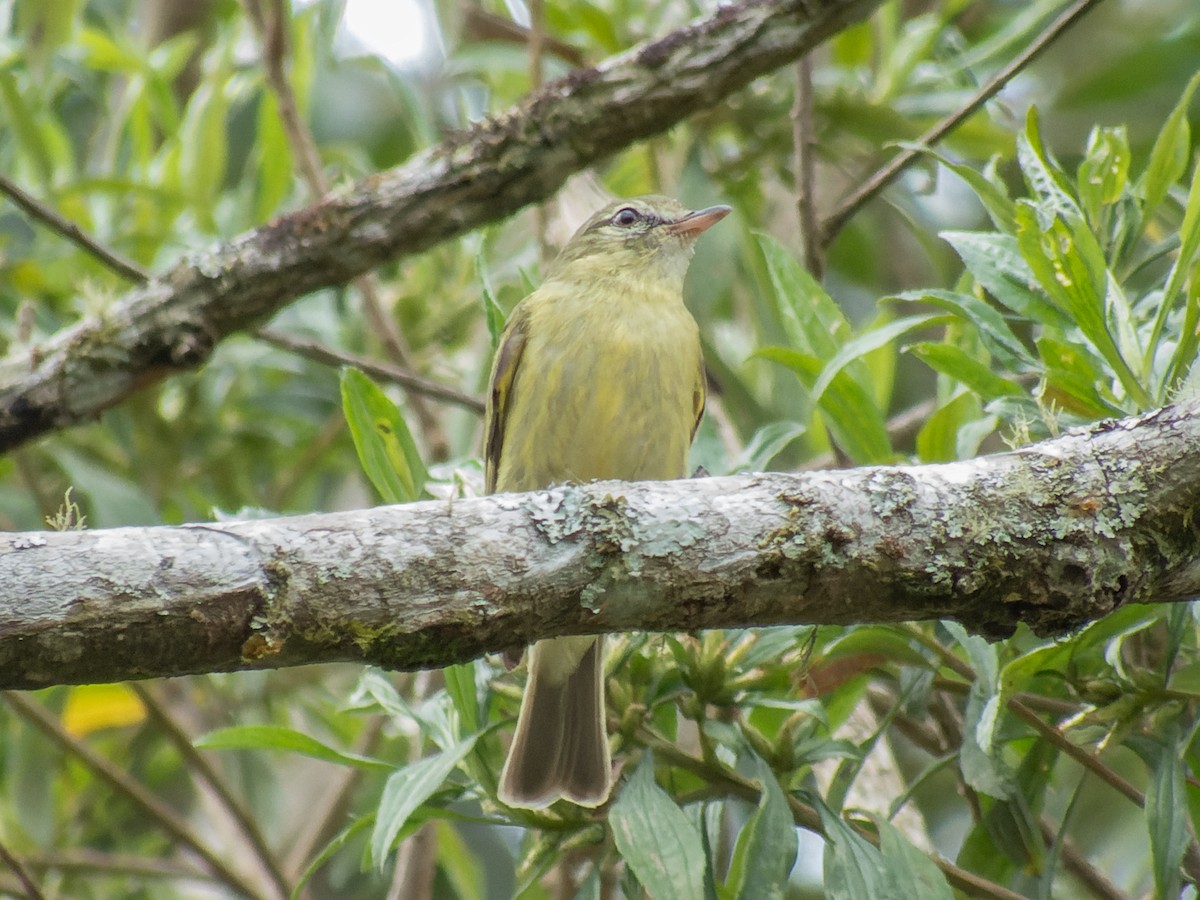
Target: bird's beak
point(696, 223)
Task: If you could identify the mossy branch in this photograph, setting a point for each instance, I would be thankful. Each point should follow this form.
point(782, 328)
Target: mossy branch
point(1054, 535)
point(174, 321)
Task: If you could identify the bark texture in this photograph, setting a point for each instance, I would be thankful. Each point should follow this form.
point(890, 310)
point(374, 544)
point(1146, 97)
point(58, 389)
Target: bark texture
point(1054, 535)
point(503, 163)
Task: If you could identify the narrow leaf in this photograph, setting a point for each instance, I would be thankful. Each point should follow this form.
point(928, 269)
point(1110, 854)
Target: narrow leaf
point(1189, 243)
point(661, 846)
point(406, 790)
point(460, 685)
point(994, 331)
point(766, 847)
point(1169, 157)
point(1044, 176)
point(847, 409)
point(811, 319)
point(956, 363)
point(995, 261)
point(868, 341)
point(275, 737)
point(385, 447)
point(1167, 815)
point(854, 867)
point(912, 872)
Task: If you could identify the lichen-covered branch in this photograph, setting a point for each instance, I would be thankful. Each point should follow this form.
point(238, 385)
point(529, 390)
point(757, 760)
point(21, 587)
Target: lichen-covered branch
point(1053, 535)
point(505, 162)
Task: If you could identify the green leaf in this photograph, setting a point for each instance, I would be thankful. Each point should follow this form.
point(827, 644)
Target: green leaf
point(276, 737)
point(1067, 261)
point(912, 872)
point(1189, 339)
point(658, 842)
point(1189, 242)
point(339, 841)
point(846, 407)
point(1044, 176)
point(937, 441)
point(203, 144)
point(979, 760)
point(460, 685)
point(868, 341)
point(766, 847)
point(956, 363)
point(1070, 378)
point(993, 330)
point(1104, 172)
point(991, 194)
point(274, 167)
point(406, 790)
point(853, 866)
point(812, 321)
point(385, 447)
point(492, 312)
point(23, 129)
point(768, 442)
point(995, 261)
point(1169, 157)
point(1167, 814)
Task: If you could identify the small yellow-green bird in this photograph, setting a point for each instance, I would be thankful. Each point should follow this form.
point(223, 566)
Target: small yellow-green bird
point(598, 375)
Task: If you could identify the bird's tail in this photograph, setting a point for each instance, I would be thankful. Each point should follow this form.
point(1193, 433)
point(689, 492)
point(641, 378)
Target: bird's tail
point(560, 748)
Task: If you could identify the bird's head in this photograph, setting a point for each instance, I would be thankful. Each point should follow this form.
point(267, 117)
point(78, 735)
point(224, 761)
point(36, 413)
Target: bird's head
point(649, 236)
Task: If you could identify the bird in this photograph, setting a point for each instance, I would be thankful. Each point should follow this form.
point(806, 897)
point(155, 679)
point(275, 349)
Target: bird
point(598, 374)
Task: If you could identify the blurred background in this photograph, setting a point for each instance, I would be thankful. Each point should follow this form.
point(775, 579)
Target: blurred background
point(157, 127)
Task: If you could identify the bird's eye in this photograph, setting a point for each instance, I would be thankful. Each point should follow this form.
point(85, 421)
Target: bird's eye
point(627, 217)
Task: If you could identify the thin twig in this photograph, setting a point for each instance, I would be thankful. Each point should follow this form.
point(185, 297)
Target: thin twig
point(1191, 859)
point(28, 885)
point(153, 808)
point(159, 714)
point(1079, 865)
point(481, 25)
point(35, 209)
point(887, 173)
point(322, 353)
point(806, 817)
point(536, 52)
point(304, 148)
point(804, 143)
point(1049, 732)
point(96, 862)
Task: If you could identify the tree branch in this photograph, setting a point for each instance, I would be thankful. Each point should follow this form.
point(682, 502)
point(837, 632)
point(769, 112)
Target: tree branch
point(499, 166)
point(1055, 535)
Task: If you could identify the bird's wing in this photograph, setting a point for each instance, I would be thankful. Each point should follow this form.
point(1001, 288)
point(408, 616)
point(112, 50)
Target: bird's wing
point(698, 392)
point(504, 373)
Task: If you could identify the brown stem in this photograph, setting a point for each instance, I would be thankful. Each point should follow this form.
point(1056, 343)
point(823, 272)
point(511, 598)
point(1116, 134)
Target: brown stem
point(888, 172)
point(308, 158)
point(160, 715)
point(116, 778)
point(35, 209)
point(23, 875)
point(804, 142)
point(406, 378)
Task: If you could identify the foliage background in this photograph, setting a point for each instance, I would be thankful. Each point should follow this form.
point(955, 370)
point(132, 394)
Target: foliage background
point(1048, 769)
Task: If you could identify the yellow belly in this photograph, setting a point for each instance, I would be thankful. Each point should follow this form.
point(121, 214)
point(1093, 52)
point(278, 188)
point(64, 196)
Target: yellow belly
point(622, 406)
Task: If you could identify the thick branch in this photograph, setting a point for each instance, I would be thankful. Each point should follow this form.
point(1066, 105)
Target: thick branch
point(1054, 535)
point(502, 164)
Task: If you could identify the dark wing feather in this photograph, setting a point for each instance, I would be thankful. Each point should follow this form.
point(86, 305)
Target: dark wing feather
point(698, 393)
point(504, 374)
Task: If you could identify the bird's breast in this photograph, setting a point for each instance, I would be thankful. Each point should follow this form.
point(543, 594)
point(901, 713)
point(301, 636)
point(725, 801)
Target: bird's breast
point(603, 393)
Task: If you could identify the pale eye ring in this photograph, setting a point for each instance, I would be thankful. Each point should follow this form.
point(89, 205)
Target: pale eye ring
point(626, 217)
